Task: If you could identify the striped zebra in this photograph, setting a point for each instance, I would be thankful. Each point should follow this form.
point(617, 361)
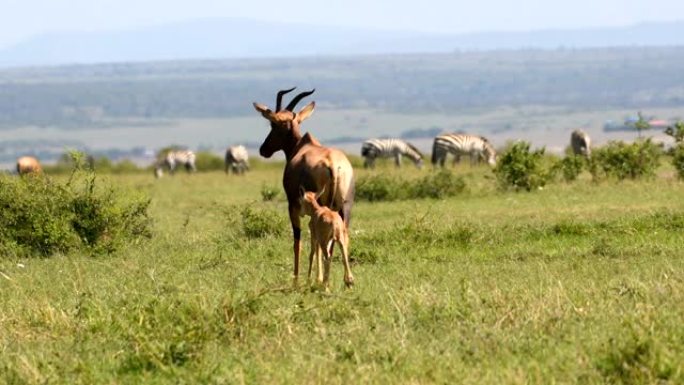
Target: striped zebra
point(237, 159)
point(477, 147)
point(173, 159)
point(386, 148)
point(580, 143)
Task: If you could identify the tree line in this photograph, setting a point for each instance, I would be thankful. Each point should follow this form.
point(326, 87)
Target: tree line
point(101, 95)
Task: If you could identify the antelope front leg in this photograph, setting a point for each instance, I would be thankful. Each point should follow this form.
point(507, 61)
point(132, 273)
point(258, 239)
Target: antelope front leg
point(297, 235)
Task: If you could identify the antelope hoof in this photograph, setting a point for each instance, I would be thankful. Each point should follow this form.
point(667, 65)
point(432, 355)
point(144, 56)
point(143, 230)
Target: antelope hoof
point(349, 282)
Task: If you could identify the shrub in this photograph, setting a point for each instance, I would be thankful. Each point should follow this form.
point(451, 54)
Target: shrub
point(259, 222)
point(519, 168)
point(383, 187)
point(207, 161)
point(106, 218)
point(269, 193)
point(676, 131)
point(103, 165)
point(39, 216)
point(622, 161)
point(35, 216)
point(438, 185)
point(380, 187)
point(123, 167)
point(569, 167)
point(678, 159)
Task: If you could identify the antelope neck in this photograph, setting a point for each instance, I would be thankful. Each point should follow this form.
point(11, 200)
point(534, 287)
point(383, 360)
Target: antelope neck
point(292, 144)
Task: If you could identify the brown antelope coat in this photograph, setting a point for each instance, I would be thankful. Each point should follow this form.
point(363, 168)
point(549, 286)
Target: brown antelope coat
point(28, 165)
point(309, 165)
point(327, 227)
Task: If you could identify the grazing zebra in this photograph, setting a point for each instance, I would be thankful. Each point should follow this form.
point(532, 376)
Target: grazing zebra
point(386, 148)
point(476, 147)
point(237, 159)
point(173, 159)
point(28, 165)
point(580, 143)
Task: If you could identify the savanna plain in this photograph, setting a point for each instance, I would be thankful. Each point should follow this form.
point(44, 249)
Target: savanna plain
point(574, 283)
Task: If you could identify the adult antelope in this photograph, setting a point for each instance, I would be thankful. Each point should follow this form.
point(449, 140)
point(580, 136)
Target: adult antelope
point(28, 165)
point(308, 165)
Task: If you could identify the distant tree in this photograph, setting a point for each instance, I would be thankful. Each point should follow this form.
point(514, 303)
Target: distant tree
point(641, 123)
point(676, 131)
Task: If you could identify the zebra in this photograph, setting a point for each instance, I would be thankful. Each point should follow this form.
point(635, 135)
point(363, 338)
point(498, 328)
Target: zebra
point(580, 143)
point(475, 146)
point(237, 159)
point(172, 159)
point(386, 148)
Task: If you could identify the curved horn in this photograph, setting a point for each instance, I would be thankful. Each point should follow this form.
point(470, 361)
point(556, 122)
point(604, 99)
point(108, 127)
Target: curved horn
point(279, 98)
point(297, 98)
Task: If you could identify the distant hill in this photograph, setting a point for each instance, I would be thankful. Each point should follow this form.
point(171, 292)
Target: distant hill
point(241, 38)
point(150, 93)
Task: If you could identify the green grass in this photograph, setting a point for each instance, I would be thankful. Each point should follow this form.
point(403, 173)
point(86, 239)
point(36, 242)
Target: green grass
point(575, 283)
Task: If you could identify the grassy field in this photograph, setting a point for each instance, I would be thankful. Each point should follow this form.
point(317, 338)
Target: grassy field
point(576, 283)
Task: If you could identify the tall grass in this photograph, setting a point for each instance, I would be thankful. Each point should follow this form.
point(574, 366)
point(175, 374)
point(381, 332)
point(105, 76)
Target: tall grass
point(578, 283)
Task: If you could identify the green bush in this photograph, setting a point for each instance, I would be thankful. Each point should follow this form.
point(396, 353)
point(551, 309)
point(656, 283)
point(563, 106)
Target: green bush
point(380, 187)
point(39, 216)
point(100, 164)
point(678, 159)
point(35, 216)
point(207, 161)
point(383, 187)
point(438, 185)
point(269, 193)
point(260, 222)
point(123, 167)
point(519, 168)
point(620, 160)
point(569, 167)
point(676, 131)
point(106, 218)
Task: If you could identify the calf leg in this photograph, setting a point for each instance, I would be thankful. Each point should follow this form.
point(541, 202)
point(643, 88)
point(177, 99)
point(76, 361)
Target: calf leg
point(344, 244)
point(315, 251)
point(327, 259)
point(314, 245)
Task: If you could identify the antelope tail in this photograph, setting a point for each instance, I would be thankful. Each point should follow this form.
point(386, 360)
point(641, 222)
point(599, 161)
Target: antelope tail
point(334, 176)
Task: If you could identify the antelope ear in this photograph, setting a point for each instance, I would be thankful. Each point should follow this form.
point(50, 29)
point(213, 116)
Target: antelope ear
point(305, 112)
point(320, 193)
point(264, 111)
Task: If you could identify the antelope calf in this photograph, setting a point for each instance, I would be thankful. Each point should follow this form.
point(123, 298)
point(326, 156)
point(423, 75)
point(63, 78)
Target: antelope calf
point(327, 227)
point(28, 165)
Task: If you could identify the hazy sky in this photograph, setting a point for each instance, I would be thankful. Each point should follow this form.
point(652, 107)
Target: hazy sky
point(21, 19)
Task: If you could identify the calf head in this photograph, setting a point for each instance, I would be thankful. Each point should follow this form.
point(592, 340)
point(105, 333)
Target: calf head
point(308, 200)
